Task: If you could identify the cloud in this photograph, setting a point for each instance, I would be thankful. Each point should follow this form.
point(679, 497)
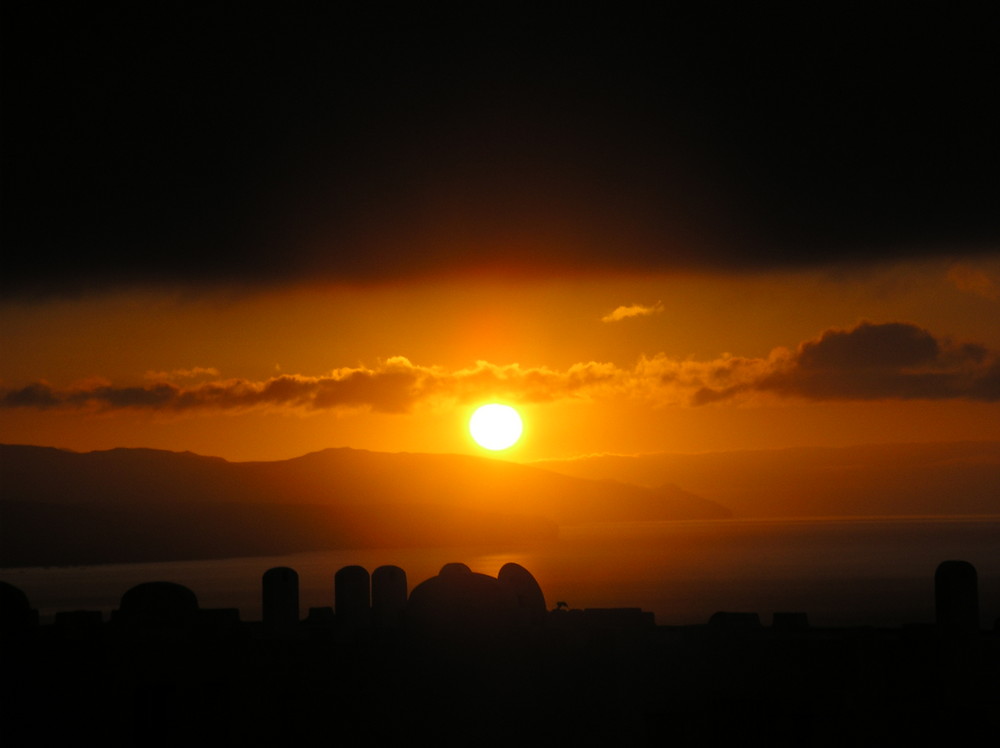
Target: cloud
point(196, 372)
point(36, 395)
point(393, 386)
point(894, 360)
point(389, 147)
point(635, 310)
point(975, 281)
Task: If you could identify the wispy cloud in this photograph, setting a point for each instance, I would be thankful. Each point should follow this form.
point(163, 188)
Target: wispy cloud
point(894, 360)
point(633, 310)
point(975, 281)
point(195, 372)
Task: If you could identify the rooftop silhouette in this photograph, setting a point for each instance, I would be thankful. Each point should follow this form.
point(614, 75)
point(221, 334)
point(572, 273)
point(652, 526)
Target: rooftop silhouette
point(466, 656)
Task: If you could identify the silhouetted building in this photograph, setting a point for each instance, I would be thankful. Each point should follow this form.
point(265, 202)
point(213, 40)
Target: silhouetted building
point(218, 622)
point(790, 621)
point(352, 597)
point(530, 600)
point(460, 605)
point(79, 624)
point(956, 597)
point(734, 621)
point(157, 605)
point(16, 614)
point(618, 618)
point(280, 592)
point(389, 590)
point(320, 616)
point(464, 671)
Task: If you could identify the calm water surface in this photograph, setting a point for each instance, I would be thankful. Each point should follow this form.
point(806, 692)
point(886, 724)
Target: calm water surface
point(840, 572)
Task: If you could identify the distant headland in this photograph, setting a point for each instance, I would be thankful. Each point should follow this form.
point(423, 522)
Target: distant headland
point(136, 505)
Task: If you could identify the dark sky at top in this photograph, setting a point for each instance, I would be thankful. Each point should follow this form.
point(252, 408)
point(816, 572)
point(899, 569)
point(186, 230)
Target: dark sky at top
point(184, 144)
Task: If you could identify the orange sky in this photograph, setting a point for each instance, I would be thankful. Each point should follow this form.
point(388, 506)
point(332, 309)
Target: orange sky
point(690, 229)
point(399, 366)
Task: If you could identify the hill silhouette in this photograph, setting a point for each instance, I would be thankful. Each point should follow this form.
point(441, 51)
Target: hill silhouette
point(957, 478)
point(126, 505)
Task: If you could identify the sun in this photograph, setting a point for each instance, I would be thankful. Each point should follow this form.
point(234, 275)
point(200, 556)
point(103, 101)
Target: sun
point(495, 426)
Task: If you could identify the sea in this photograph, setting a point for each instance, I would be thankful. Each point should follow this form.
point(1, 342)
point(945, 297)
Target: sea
point(840, 571)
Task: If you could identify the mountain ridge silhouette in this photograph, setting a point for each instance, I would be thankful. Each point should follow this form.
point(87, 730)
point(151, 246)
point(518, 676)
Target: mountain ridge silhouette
point(122, 505)
point(899, 479)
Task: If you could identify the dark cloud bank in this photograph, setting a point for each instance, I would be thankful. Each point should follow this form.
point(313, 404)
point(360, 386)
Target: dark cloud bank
point(209, 143)
point(869, 362)
point(875, 362)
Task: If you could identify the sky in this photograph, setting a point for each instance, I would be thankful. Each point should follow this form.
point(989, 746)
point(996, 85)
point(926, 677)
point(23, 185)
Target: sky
point(260, 233)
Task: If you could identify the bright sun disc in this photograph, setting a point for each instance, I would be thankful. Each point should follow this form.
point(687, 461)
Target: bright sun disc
point(495, 426)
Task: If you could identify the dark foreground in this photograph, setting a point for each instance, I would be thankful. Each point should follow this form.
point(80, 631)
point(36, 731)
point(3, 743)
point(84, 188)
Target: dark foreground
point(467, 659)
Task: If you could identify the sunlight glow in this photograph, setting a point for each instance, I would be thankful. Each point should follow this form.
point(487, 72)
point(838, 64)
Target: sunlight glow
point(495, 426)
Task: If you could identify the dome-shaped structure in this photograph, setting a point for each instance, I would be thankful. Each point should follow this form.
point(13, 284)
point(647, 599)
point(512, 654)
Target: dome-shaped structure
point(530, 599)
point(161, 605)
point(461, 605)
point(16, 613)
